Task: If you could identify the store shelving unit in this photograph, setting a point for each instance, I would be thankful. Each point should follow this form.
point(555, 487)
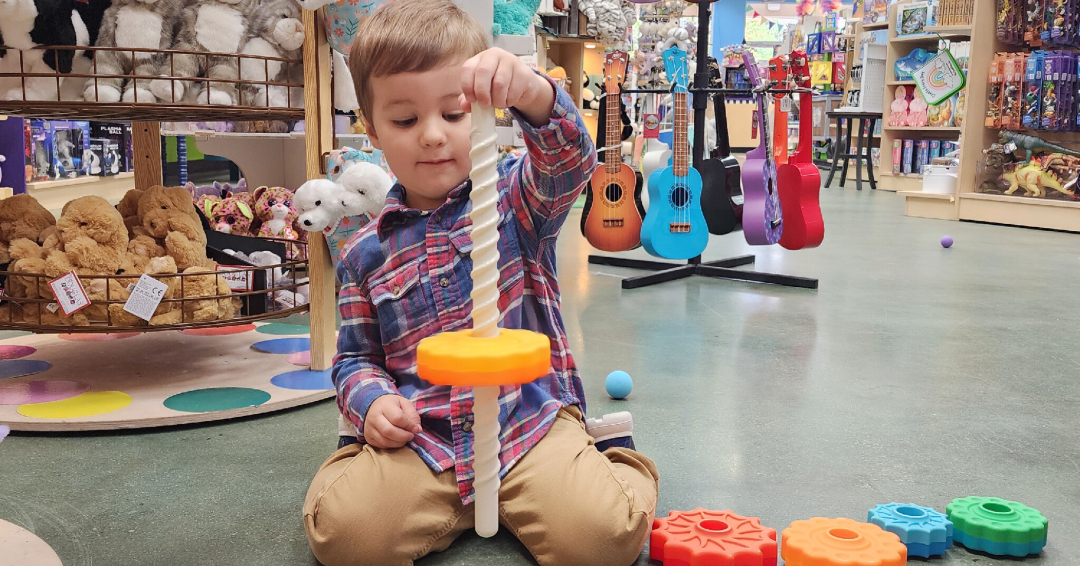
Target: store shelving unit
point(918, 204)
point(967, 204)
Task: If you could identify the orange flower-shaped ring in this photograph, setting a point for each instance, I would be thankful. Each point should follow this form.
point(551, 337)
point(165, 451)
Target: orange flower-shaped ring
point(832, 542)
point(461, 359)
point(712, 538)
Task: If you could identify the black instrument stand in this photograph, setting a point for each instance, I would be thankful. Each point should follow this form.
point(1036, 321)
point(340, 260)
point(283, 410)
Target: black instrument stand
point(720, 269)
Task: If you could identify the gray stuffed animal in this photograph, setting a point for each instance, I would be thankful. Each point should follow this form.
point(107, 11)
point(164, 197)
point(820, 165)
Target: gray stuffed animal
point(277, 31)
point(146, 24)
point(214, 26)
point(608, 19)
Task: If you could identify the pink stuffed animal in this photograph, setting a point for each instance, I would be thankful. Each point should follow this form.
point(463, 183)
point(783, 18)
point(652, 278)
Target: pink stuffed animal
point(917, 111)
point(899, 108)
point(232, 216)
point(273, 205)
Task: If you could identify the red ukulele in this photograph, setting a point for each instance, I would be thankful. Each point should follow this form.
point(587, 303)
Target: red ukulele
point(778, 74)
point(798, 180)
point(611, 220)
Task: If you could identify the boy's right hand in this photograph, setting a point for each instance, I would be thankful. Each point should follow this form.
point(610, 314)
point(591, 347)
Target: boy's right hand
point(391, 422)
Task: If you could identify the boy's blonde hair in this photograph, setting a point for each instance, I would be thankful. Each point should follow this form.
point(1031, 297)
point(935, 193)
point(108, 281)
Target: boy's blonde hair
point(410, 36)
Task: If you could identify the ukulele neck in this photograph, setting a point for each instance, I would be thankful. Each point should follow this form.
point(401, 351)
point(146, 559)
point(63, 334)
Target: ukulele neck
point(613, 133)
point(681, 152)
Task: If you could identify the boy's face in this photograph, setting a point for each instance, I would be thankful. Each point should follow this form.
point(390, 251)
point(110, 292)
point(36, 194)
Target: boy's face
point(424, 135)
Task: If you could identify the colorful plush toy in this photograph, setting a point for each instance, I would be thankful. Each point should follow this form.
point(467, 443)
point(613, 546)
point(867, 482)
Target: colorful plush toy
point(917, 110)
point(514, 17)
point(899, 115)
point(232, 216)
point(273, 206)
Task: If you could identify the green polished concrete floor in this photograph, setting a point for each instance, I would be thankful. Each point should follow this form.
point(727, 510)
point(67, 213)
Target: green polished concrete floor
point(914, 373)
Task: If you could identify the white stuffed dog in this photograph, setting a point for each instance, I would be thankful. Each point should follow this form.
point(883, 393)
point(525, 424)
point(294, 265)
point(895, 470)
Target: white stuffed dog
point(365, 185)
point(319, 203)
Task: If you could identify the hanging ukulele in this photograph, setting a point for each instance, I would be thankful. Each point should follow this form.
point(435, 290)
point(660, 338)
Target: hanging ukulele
point(798, 181)
point(612, 217)
point(721, 179)
point(778, 74)
point(674, 225)
point(762, 222)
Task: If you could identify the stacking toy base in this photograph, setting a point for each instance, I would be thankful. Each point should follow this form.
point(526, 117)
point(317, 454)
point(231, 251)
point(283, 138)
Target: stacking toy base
point(1018, 549)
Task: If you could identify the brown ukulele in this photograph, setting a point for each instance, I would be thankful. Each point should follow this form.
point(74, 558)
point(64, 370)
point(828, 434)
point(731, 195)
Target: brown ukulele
point(612, 217)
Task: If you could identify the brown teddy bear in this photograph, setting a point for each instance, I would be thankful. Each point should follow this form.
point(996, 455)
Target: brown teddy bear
point(93, 239)
point(208, 285)
point(129, 209)
point(167, 214)
point(22, 216)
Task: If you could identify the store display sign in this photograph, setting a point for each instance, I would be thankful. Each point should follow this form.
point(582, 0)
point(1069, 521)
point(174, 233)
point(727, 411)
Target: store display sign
point(69, 292)
point(940, 78)
point(652, 126)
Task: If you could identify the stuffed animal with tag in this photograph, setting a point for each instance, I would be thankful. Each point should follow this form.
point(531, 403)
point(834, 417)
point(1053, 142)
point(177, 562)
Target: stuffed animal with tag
point(277, 31)
point(145, 24)
point(274, 207)
point(231, 215)
point(27, 24)
point(214, 26)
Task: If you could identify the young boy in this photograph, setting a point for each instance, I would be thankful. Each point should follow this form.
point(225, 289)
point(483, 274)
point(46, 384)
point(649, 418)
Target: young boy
point(405, 489)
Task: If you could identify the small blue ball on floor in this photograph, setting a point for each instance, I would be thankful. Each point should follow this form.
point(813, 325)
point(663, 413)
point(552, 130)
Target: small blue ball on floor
point(618, 384)
point(946, 241)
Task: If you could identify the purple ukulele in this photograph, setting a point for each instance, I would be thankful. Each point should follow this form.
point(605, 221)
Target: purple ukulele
point(762, 221)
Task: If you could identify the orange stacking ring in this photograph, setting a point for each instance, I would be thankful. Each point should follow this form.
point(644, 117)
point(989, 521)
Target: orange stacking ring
point(461, 359)
point(840, 542)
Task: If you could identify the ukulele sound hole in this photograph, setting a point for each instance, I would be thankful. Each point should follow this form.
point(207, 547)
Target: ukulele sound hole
point(613, 193)
point(680, 197)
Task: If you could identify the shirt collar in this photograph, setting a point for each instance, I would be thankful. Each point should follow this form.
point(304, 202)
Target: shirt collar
point(395, 210)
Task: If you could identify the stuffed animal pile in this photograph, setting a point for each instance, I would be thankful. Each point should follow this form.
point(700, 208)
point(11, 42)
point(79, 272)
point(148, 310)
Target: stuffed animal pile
point(155, 232)
point(259, 28)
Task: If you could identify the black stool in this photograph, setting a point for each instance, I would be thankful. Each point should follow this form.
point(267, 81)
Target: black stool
point(862, 149)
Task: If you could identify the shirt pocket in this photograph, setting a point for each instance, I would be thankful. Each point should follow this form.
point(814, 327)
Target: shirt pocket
point(401, 302)
point(510, 260)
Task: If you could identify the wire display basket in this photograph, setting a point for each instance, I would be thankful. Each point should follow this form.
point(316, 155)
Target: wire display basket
point(244, 87)
point(193, 300)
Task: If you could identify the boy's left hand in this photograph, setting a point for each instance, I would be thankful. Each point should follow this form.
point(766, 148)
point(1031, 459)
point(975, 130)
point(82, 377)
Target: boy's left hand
point(499, 79)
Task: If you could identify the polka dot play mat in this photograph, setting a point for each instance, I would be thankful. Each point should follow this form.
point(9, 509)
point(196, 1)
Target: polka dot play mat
point(57, 383)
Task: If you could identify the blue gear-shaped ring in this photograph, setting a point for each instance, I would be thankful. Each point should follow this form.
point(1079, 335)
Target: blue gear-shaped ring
point(923, 530)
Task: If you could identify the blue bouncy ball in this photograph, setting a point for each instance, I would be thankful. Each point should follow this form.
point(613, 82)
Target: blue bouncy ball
point(618, 384)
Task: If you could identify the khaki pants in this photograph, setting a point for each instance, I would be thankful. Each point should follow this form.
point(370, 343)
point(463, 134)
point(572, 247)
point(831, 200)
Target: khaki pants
point(565, 501)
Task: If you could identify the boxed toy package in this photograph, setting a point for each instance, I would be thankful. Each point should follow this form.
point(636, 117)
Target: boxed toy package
point(1012, 91)
point(120, 134)
point(104, 157)
point(1033, 74)
point(897, 156)
point(909, 147)
point(59, 146)
point(922, 156)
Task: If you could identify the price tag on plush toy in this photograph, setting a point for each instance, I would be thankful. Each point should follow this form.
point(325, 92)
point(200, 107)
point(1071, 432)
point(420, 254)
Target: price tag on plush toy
point(145, 297)
point(70, 294)
point(237, 279)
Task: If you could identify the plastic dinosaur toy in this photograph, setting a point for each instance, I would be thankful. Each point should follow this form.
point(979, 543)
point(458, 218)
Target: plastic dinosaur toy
point(1031, 144)
point(1033, 179)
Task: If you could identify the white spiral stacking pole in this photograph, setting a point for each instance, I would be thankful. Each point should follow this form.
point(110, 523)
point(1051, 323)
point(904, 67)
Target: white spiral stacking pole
point(485, 313)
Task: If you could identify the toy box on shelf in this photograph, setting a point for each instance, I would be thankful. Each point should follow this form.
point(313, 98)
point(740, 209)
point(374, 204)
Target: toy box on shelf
point(119, 134)
point(59, 146)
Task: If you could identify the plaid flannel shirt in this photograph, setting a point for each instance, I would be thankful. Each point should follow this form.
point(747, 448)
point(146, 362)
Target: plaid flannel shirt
point(406, 277)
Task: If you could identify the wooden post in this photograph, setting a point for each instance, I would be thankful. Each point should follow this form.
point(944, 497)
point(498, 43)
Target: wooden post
point(318, 115)
point(146, 147)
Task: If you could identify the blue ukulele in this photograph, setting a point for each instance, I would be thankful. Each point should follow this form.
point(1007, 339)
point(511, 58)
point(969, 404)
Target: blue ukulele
point(674, 226)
